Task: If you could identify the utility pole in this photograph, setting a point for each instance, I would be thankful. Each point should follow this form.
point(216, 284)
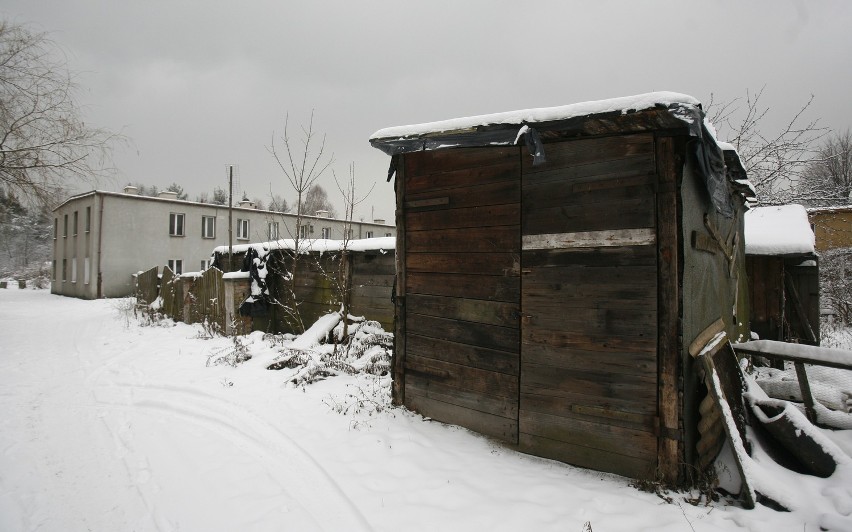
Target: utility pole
point(230, 217)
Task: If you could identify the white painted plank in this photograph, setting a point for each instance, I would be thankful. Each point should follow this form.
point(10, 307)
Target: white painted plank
point(591, 239)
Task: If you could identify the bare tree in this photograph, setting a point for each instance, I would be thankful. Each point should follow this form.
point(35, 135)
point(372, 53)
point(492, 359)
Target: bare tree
point(827, 180)
point(774, 160)
point(835, 275)
point(43, 139)
point(350, 202)
point(277, 203)
point(302, 162)
point(316, 199)
point(220, 196)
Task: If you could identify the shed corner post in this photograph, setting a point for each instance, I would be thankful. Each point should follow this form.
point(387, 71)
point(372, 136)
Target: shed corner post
point(669, 170)
point(398, 366)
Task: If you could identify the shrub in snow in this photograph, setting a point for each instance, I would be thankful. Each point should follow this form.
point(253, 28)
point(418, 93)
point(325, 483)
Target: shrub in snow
point(324, 351)
point(231, 355)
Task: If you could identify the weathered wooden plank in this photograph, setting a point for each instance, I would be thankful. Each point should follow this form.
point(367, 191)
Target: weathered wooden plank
point(590, 239)
point(470, 240)
point(489, 287)
point(500, 313)
point(639, 389)
point(479, 216)
point(464, 354)
point(439, 161)
point(506, 407)
point(560, 398)
point(579, 339)
point(498, 193)
point(499, 427)
point(463, 377)
point(488, 336)
point(601, 412)
point(640, 182)
point(587, 457)
point(503, 170)
point(631, 363)
point(507, 264)
point(382, 289)
point(590, 191)
point(431, 202)
point(589, 217)
point(624, 322)
point(621, 256)
point(627, 167)
point(381, 266)
point(602, 436)
point(585, 151)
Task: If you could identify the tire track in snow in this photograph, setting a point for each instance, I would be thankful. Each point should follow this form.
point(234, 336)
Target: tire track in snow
point(243, 429)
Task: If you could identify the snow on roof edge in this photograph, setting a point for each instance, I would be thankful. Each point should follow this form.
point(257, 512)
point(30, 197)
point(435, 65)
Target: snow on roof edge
point(385, 243)
point(543, 114)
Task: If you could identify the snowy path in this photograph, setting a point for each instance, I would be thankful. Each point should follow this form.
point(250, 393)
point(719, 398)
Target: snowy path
point(119, 444)
point(109, 426)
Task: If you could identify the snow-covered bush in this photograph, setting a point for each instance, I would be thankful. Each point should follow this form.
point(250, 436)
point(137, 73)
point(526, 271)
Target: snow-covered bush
point(323, 351)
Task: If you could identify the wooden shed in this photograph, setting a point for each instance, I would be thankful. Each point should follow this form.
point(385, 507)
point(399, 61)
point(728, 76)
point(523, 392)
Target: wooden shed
point(549, 277)
point(783, 274)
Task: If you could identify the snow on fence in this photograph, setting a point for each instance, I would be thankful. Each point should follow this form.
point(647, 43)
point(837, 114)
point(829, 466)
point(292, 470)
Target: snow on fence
point(214, 298)
point(367, 280)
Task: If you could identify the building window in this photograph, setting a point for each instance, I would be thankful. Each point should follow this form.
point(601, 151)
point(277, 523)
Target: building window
point(55, 229)
point(205, 264)
point(75, 223)
point(305, 230)
point(208, 227)
point(242, 229)
point(74, 270)
point(388, 234)
point(88, 219)
point(86, 271)
point(65, 227)
point(273, 231)
point(64, 270)
point(176, 266)
point(176, 224)
point(326, 232)
point(369, 234)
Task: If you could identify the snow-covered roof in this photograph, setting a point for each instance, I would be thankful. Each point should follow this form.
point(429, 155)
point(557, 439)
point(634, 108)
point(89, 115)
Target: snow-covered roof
point(385, 243)
point(545, 114)
point(778, 230)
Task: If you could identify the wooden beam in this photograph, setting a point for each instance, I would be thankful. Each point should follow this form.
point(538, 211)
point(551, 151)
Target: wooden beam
point(668, 309)
point(591, 239)
point(398, 367)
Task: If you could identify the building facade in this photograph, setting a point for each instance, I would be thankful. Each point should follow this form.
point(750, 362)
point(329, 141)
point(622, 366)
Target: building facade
point(832, 227)
point(101, 239)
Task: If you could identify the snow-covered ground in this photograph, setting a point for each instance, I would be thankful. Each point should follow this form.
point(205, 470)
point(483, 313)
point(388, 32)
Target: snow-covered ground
point(107, 425)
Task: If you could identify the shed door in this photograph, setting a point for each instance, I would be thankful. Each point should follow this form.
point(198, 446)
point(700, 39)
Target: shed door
point(588, 385)
point(462, 276)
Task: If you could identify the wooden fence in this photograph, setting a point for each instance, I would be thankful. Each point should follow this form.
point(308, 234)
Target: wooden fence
point(215, 298)
point(147, 286)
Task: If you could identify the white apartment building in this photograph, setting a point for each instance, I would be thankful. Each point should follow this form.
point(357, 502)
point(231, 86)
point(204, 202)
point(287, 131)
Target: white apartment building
point(100, 239)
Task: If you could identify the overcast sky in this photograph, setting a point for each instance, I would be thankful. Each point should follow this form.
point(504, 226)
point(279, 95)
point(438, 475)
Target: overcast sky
point(196, 85)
